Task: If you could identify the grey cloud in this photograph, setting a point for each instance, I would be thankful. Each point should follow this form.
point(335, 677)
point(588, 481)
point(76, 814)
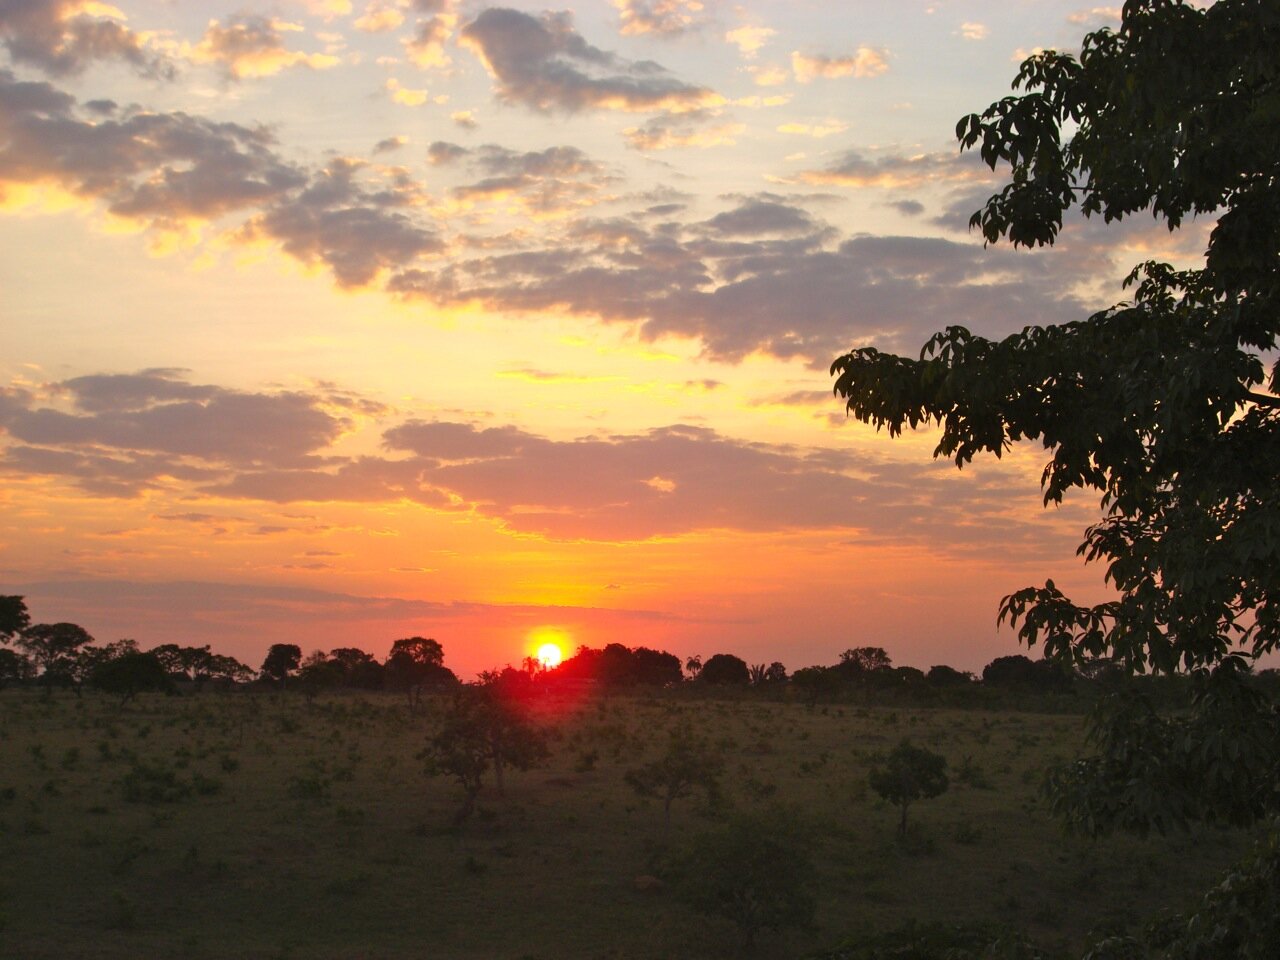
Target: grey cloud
point(157, 167)
point(388, 145)
point(354, 231)
point(129, 431)
point(61, 39)
point(543, 63)
point(854, 169)
point(441, 152)
point(758, 216)
point(666, 18)
point(908, 208)
point(551, 162)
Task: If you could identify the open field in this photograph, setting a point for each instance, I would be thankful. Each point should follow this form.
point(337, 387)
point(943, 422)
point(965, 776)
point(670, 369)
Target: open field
point(260, 826)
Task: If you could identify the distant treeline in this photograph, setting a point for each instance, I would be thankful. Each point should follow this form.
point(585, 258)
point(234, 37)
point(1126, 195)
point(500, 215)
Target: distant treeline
point(65, 655)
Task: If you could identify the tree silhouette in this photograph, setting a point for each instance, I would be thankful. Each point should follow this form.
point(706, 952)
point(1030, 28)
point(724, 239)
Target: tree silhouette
point(282, 660)
point(54, 647)
point(725, 669)
point(14, 617)
point(1163, 404)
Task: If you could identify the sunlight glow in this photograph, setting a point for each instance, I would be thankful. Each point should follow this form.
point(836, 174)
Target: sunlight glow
point(549, 655)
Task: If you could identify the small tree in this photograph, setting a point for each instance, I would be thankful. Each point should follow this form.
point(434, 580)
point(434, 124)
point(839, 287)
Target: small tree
point(752, 872)
point(689, 765)
point(481, 729)
point(909, 774)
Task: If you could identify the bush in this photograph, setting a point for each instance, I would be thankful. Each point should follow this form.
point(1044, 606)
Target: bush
point(752, 872)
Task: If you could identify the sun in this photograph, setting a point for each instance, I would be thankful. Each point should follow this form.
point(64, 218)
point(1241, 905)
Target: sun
point(549, 655)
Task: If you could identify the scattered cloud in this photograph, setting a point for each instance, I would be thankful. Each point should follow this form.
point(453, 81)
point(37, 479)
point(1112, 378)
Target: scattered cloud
point(769, 76)
point(160, 168)
point(405, 96)
point(894, 171)
point(389, 145)
point(749, 39)
point(697, 129)
point(248, 45)
point(63, 37)
point(464, 119)
point(660, 17)
point(380, 16)
point(865, 62)
point(544, 64)
point(340, 223)
point(974, 31)
point(426, 47)
point(824, 128)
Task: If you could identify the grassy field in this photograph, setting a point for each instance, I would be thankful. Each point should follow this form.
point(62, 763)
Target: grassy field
point(254, 825)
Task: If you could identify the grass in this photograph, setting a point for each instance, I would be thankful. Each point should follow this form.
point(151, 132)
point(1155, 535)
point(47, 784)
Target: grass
point(258, 826)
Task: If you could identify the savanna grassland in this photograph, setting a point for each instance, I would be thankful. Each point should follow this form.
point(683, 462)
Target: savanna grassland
point(259, 825)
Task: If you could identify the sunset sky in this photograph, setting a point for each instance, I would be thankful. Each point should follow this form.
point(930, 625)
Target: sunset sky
point(336, 321)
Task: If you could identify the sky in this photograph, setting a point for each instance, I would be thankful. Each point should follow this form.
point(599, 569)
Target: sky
point(330, 322)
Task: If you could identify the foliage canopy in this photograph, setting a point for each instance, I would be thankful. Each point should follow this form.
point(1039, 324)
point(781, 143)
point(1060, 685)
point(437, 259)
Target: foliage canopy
point(1162, 404)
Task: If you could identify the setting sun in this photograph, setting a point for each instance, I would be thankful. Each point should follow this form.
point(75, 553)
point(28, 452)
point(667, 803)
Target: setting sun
point(549, 655)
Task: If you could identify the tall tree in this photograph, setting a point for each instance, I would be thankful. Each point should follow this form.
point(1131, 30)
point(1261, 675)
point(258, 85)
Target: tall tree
point(1162, 404)
point(281, 661)
point(55, 648)
point(14, 617)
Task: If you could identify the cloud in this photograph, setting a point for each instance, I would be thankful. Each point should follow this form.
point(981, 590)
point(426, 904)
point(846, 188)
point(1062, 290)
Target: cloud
point(464, 119)
point(865, 62)
point(389, 145)
point(425, 48)
point(329, 9)
point(818, 131)
point(701, 128)
point(974, 31)
point(895, 171)
point(441, 152)
point(63, 37)
point(124, 433)
point(660, 17)
point(354, 231)
point(249, 45)
point(544, 182)
point(155, 167)
point(764, 215)
point(749, 39)
point(405, 96)
point(544, 64)
point(379, 16)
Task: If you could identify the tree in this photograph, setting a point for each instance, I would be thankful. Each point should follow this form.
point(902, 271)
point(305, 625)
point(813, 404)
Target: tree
point(724, 669)
point(282, 659)
point(1162, 404)
point(13, 617)
point(54, 647)
point(753, 872)
point(414, 664)
point(859, 660)
point(688, 765)
point(481, 730)
point(14, 667)
point(908, 774)
point(131, 673)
